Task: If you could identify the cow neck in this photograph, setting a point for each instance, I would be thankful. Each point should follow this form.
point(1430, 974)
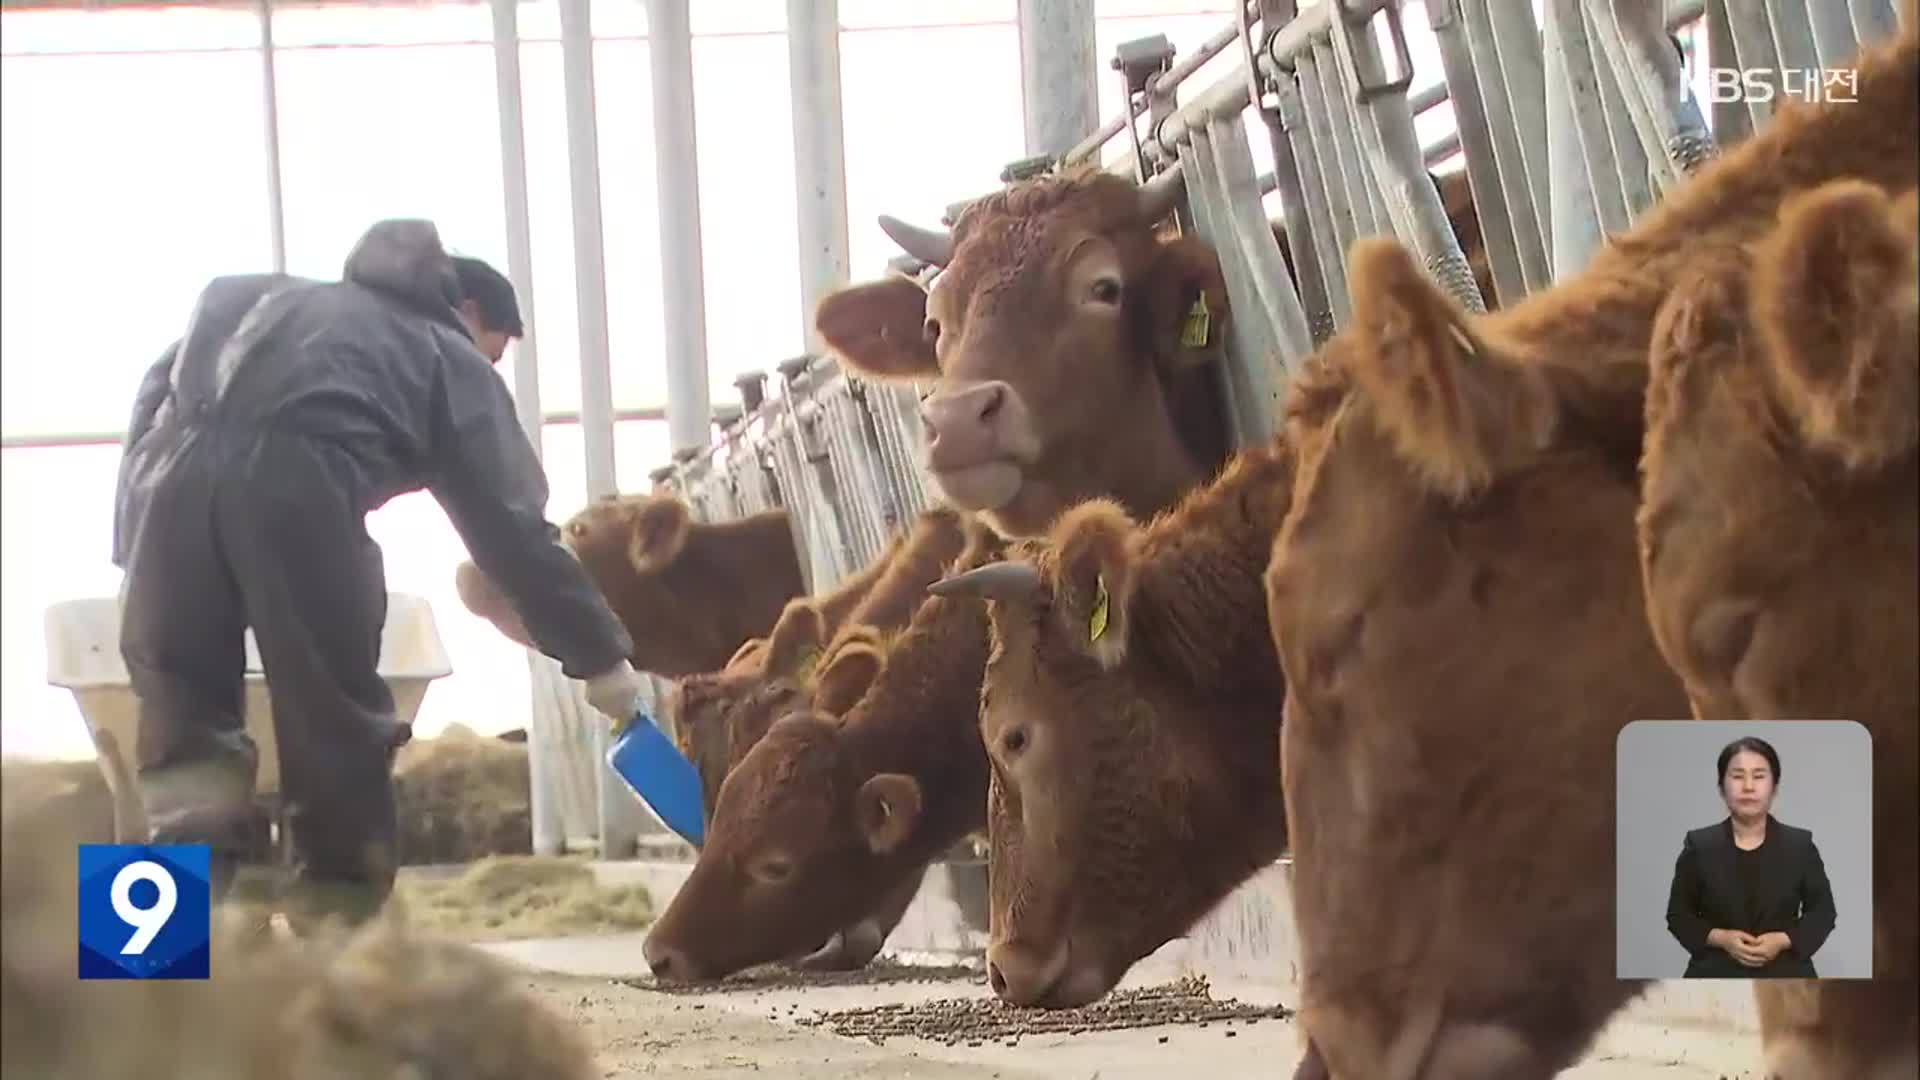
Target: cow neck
point(1596, 328)
point(1147, 451)
point(922, 718)
point(1203, 570)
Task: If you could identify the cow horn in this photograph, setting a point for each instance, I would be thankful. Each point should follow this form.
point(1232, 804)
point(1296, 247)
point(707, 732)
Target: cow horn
point(1010, 580)
point(1158, 195)
point(927, 245)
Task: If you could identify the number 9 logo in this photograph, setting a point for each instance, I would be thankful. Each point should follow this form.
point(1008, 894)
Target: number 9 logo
point(147, 922)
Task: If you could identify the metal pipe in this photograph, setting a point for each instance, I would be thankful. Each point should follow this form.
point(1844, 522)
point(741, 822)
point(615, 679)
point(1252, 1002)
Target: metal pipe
point(60, 439)
point(513, 186)
point(1174, 76)
point(1831, 24)
point(1061, 104)
point(596, 383)
point(1474, 133)
point(548, 829)
point(677, 173)
point(270, 98)
point(1792, 36)
point(1753, 47)
point(1732, 122)
point(819, 155)
point(1583, 190)
point(589, 244)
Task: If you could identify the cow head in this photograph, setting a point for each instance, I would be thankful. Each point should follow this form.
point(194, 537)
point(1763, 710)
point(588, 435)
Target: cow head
point(1447, 480)
point(708, 713)
point(690, 594)
point(798, 839)
point(1119, 808)
point(1778, 535)
point(1050, 336)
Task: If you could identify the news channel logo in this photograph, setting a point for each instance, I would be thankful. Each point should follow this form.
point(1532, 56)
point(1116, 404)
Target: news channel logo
point(145, 911)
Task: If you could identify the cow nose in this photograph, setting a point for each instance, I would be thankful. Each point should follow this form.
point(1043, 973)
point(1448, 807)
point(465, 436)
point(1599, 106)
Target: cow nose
point(1019, 976)
point(966, 417)
point(666, 962)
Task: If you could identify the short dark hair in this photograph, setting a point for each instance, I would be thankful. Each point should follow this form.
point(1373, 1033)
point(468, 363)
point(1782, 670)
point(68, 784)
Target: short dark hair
point(491, 293)
point(1755, 744)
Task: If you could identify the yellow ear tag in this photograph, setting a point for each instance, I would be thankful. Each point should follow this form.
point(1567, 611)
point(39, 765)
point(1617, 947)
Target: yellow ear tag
point(1199, 325)
point(1097, 622)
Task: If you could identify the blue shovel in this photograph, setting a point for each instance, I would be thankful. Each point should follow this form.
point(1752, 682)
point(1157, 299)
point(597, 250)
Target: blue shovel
point(662, 776)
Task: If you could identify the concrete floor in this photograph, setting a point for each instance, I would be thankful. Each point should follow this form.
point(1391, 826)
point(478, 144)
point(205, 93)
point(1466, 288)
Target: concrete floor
point(1676, 1033)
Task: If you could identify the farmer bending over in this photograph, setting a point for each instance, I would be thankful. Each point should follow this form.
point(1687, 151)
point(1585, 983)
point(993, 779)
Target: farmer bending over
point(288, 409)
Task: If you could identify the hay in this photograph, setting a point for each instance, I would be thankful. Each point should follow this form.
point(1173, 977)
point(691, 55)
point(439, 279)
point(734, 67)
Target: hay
point(384, 1002)
point(72, 792)
point(505, 897)
point(458, 797)
point(462, 797)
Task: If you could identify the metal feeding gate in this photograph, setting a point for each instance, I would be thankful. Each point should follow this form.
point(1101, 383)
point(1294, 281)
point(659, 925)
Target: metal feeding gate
point(1568, 127)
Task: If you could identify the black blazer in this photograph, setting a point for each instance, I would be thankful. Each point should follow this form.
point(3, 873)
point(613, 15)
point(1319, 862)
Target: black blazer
point(1790, 893)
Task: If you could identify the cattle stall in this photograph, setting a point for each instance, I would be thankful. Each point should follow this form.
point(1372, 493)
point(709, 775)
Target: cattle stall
point(1562, 142)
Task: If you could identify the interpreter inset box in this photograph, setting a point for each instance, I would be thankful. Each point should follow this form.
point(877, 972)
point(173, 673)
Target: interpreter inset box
point(1744, 850)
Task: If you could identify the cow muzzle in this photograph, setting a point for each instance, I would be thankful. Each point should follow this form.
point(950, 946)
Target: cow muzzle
point(979, 441)
point(1040, 977)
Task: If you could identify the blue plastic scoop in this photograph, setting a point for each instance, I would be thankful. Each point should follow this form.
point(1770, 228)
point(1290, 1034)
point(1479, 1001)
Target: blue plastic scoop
point(662, 776)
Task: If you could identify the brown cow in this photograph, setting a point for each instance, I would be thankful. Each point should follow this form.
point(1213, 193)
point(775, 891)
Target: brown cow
point(1456, 601)
point(825, 817)
point(1054, 336)
point(1780, 545)
point(1129, 712)
point(689, 593)
point(718, 716)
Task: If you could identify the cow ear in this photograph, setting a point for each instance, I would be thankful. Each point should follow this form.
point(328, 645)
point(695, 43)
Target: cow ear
point(1093, 579)
point(1697, 331)
point(1187, 302)
point(1459, 415)
point(846, 676)
point(660, 528)
point(794, 643)
point(887, 807)
point(879, 329)
point(1834, 298)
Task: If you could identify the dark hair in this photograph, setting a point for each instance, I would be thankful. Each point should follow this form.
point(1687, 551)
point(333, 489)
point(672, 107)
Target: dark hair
point(491, 293)
point(1749, 742)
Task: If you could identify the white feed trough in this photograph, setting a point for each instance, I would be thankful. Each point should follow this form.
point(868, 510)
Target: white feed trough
point(83, 655)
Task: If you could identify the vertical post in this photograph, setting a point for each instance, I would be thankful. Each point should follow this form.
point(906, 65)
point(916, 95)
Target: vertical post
point(1732, 121)
point(1057, 71)
point(1575, 138)
point(549, 833)
point(596, 383)
point(677, 172)
point(270, 97)
point(819, 155)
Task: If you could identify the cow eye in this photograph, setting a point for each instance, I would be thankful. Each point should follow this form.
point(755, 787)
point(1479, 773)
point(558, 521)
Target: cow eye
point(931, 331)
point(1105, 290)
point(771, 869)
point(1014, 741)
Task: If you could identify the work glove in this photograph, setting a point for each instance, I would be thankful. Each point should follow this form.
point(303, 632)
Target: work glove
point(616, 692)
